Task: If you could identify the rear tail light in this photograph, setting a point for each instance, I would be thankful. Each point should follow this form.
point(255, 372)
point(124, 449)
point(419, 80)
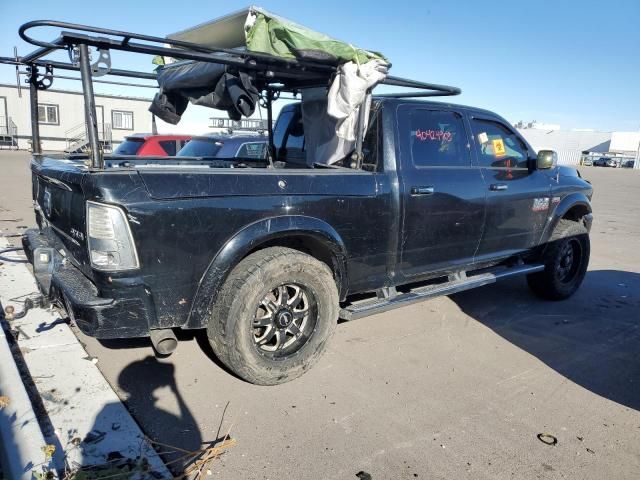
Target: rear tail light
point(111, 246)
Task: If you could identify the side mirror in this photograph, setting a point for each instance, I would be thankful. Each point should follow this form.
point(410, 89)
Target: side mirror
point(546, 159)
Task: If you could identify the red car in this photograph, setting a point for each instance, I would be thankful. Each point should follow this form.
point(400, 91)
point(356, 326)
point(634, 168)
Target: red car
point(149, 145)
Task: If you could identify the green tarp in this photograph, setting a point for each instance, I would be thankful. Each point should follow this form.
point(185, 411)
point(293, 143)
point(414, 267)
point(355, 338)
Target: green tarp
point(269, 33)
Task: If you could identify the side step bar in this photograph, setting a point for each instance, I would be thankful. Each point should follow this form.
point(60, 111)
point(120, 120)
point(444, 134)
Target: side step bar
point(373, 306)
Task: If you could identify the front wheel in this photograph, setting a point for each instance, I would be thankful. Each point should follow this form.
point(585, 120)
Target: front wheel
point(566, 258)
point(274, 315)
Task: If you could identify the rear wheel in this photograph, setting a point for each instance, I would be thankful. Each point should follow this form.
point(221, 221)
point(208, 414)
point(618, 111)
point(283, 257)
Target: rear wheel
point(274, 315)
point(566, 258)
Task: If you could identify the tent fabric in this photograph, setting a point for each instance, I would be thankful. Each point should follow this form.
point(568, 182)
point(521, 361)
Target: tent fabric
point(330, 114)
point(206, 84)
point(348, 91)
point(331, 119)
point(274, 35)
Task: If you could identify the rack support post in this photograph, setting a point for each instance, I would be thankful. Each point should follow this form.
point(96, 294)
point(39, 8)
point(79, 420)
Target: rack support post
point(272, 150)
point(90, 108)
point(36, 146)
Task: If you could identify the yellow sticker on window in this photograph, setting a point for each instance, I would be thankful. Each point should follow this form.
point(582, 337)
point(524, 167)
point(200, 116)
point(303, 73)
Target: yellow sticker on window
point(498, 147)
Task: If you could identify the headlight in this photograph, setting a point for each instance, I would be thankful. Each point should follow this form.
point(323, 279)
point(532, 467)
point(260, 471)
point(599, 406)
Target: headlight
point(111, 246)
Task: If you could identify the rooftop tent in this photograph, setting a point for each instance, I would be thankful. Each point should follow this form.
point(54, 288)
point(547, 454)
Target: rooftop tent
point(341, 87)
point(258, 30)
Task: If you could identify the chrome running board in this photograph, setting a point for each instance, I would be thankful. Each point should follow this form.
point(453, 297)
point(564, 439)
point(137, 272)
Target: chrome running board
point(459, 283)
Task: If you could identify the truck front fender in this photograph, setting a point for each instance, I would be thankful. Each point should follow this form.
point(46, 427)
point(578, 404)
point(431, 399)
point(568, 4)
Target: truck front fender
point(575, 206)
point(252, 237)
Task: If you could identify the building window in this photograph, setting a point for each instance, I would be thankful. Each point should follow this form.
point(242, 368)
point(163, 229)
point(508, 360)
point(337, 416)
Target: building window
point(121, 120)
point(48, 114)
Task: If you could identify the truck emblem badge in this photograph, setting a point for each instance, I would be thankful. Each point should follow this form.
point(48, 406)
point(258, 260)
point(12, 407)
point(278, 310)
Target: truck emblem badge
point(540, 204)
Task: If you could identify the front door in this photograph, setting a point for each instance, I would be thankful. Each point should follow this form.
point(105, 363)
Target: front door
point(442, 191)
point(518, 195)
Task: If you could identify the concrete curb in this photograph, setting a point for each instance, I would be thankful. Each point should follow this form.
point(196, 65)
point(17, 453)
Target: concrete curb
point(21, 438)
point(85, 419)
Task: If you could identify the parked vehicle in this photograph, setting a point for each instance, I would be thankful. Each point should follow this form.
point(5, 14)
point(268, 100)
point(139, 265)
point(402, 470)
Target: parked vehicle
point(149, 145)
point(311, 237)
point(432, 199)
point(629, 163)
point(587, 162)
point(252, 147)
point(605, 162)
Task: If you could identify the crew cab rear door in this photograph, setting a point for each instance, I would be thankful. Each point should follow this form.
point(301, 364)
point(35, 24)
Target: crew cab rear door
point(442, 191)
point(518, 195)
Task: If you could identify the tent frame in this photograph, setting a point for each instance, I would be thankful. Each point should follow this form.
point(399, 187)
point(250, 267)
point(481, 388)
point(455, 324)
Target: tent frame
point(273, 74)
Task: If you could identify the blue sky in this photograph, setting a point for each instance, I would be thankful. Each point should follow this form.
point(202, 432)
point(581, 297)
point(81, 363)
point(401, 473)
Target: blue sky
point(575, 63)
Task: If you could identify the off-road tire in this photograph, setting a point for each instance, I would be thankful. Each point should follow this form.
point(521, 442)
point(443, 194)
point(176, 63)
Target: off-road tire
point(555, 282)
point(231, 331)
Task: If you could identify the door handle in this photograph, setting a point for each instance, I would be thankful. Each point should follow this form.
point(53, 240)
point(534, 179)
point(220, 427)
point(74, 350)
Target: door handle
point(422, 190)
point(498, 187)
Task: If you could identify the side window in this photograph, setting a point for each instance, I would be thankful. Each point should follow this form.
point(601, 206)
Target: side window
point(497, 146)
point(169, 146)
point(280, 129)
point(372, 144)
point(255, 150)
point(294, 142)
point(437, 139)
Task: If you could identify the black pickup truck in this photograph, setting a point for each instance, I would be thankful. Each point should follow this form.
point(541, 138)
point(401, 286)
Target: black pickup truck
point(267, 257)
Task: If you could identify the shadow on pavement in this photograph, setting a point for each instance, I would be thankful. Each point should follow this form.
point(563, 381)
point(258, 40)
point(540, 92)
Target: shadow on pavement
point(141, 381)
point(592, 339)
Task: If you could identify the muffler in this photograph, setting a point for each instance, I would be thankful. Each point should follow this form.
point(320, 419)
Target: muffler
point(164, 341)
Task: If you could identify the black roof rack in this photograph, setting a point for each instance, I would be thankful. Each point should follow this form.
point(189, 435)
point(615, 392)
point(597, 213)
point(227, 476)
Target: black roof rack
point(273, 74)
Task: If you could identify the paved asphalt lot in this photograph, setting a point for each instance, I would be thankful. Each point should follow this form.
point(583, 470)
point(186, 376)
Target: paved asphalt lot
point(451, 388)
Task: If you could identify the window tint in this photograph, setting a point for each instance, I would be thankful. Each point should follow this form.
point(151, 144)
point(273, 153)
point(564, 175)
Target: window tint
point(293, 150)
point(169, 146)
point(284, 119)
point(256, 150)
point(200, 147)
point(129, 147)
point(437, 139)
point(497, 146)
point(372, 144)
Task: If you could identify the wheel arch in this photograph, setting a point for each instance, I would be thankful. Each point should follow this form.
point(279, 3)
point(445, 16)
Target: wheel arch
point(576, 207)
point(307, 234)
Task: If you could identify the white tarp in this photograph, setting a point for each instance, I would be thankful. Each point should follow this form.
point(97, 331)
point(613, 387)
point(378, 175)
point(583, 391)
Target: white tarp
point(331, 119)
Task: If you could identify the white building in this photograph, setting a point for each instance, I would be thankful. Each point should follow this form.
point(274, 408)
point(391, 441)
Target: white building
point(573, 145)
point(61, 115)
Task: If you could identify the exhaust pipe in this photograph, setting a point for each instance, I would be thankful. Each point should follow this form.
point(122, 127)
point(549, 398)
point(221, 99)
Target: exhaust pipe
point(164, 341)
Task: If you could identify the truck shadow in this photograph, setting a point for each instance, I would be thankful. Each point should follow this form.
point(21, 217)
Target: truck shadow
point(592, 339)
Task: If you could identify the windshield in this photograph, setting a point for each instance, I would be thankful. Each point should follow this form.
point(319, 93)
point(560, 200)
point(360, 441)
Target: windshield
point(129, 147)
point(200, 147)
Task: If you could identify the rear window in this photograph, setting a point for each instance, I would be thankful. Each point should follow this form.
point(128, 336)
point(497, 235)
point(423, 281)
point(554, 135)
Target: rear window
point(200, 147)
point(129, 147)
point(256, 150)
point(169, 146)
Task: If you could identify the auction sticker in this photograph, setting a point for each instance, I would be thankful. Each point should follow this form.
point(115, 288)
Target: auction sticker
point(498, 147)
